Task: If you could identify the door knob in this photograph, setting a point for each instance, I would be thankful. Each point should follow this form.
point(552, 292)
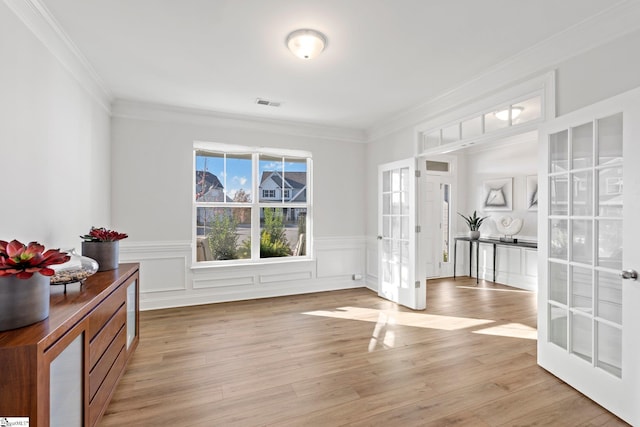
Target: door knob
point(379, 237)
point(629, 274)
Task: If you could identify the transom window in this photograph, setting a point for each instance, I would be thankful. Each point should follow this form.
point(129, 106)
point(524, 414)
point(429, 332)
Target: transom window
point(496, 119)
point(230, 223)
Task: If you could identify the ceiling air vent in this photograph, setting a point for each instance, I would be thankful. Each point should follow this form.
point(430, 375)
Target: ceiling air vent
point(261, 101)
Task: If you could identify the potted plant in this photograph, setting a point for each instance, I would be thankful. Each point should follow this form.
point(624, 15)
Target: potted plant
point(24, 282)
point(474, 222)
point(103, 246)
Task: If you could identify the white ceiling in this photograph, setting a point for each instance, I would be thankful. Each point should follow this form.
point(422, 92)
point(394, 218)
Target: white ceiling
point(383, 56)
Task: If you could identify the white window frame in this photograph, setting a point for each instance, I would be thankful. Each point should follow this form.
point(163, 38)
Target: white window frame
point(255, 204)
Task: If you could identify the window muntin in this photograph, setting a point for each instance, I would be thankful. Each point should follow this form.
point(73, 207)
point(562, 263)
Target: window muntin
point(488, 121)
point(230, 224)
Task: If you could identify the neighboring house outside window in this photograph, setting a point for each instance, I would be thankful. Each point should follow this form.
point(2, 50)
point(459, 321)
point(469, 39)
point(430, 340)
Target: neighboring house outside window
point(230, 224)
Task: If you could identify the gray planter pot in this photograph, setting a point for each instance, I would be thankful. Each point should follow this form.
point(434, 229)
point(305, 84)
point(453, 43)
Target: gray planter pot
point(474, 235)
point(23, 301)
point(105, 253)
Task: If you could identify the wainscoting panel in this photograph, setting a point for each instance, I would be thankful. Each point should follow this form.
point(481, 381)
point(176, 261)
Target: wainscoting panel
point(168, 279)
point(531, 263)
point(223, 282)
point(516, 266)
point(372, 263)
point(163, 274)
point(509, 259)
point(163, 265)
point(340, 258)
point(285, 277)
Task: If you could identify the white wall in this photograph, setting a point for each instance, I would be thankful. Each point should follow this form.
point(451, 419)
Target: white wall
point(598, 74)
point(515, 160)
point(152, 201)
point(54, 144)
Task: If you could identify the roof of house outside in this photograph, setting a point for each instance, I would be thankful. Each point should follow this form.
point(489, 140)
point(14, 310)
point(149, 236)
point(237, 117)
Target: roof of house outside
point(210, 179)
point(291, 179)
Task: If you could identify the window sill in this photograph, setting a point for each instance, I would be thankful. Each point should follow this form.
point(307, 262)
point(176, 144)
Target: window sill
point(211, 265)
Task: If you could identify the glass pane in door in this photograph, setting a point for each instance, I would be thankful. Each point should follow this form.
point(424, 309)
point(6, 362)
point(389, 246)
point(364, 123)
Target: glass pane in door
point(582, 185)
point(582, 146)
point(609, 297)
point(581, 289)
point(558, 326)
point(395, 227)
point(609, 344)
point(581, 248)
point(559, 233)
point(581, 336)
point(610, 192)
point(610, 243)
point(558, 282)
point(610, 140)
point(585, 242)
point(559, 152)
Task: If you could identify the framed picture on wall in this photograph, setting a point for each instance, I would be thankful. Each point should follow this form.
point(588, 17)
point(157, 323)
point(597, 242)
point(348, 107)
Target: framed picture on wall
point(532, 192)
point(498, 195)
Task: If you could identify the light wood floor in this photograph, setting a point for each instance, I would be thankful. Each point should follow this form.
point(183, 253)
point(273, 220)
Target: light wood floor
point(349, 358)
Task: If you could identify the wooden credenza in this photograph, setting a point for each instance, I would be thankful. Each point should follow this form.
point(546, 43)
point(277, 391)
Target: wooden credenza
point(63, 370)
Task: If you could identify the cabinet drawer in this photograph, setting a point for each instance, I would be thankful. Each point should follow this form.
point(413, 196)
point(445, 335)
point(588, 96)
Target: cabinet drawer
point(104, 338)
point(105, 310)
point(100, 371)
point(103, 395)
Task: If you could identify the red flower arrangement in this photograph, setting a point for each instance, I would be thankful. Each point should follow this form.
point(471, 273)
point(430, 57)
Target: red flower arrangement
point(25, 260)
point(103, 235)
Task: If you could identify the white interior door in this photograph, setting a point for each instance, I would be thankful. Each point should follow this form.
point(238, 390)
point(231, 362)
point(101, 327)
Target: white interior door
point(436, 222)
point(588, 316)
point(397, 235)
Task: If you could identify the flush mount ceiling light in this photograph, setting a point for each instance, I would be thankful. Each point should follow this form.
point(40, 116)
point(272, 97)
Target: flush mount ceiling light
point(306, 44)
point(504, 114)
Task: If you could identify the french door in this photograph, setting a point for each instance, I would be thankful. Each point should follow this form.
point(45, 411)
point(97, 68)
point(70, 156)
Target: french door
point(588, 315)
point(397, 235)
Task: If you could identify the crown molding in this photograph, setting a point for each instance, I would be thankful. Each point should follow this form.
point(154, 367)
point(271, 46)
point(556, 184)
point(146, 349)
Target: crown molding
point(142, 110)
point(620, 19)
point(37, 18)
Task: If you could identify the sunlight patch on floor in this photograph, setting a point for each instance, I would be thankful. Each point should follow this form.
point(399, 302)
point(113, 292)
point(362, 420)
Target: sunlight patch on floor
point(510, 330)
point(418, 320)
point(381, 335)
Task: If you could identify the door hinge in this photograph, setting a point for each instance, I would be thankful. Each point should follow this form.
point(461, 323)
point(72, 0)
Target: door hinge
point(417, 284)
point(417, 174)
point(418, 229)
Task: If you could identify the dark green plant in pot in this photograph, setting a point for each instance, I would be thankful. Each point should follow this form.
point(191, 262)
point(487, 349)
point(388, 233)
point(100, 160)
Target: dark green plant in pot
point(473, 221)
